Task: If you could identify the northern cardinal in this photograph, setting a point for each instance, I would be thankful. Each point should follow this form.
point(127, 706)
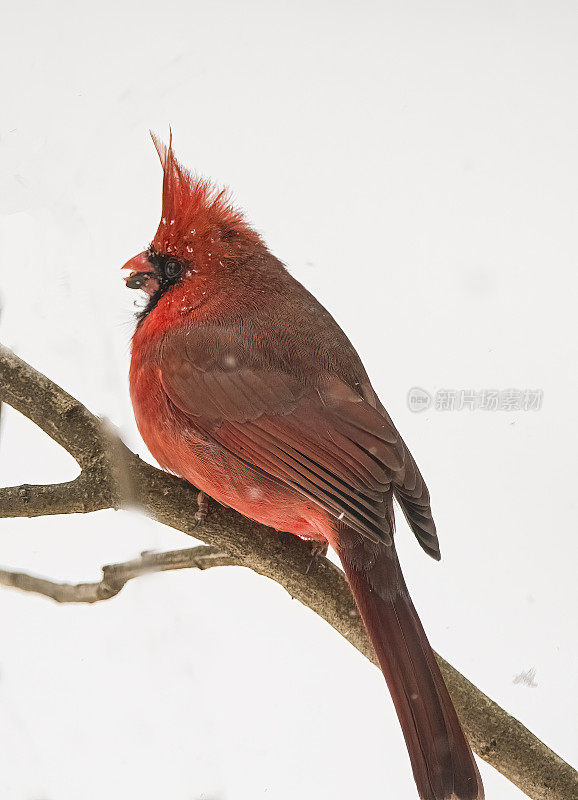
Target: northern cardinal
point(244, 385)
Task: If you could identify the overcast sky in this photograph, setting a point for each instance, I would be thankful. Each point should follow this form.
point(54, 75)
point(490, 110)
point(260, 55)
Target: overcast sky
point(415, 165)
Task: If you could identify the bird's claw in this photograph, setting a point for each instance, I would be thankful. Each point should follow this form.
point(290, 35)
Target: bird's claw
point(318, 549)
point(202, 509)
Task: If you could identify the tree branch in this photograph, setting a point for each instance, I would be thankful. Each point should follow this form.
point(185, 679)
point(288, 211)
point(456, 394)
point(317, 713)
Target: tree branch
point(73, 497)
point(116, 576)
point(114, 477)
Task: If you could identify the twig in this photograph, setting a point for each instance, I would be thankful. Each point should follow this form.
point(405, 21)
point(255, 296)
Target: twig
point(116, 576)
point(114, 477)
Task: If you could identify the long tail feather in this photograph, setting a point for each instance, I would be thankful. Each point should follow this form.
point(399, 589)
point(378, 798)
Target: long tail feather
point(442, 761)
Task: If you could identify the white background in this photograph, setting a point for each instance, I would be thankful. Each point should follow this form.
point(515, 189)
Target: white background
point(415, 165)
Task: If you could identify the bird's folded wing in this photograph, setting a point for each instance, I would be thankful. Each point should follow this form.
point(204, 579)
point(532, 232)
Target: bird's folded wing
point(322, 438)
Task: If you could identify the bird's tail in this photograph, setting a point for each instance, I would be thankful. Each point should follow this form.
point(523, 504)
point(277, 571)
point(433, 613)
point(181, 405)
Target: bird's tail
point(442, 761)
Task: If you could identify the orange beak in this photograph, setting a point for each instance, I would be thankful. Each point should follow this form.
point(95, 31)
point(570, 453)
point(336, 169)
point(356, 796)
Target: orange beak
point(142, 274)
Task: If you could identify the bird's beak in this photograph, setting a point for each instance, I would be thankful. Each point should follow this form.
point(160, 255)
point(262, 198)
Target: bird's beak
point(142, 275)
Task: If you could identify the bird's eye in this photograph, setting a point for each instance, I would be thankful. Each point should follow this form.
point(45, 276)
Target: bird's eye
point(173, 269)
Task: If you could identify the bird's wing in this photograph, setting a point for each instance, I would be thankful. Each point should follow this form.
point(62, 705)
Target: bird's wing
point(323, 438)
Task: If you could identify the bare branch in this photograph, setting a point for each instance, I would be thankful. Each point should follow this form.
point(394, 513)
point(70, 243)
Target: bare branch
point(116, 478)
point(116, 576)
point(62, 417)
point(73, 497)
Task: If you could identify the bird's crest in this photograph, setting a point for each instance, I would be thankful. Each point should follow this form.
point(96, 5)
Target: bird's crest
point(195, 212)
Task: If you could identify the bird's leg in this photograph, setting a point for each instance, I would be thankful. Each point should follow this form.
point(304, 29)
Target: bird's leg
point(202, 508)
point(318, 549)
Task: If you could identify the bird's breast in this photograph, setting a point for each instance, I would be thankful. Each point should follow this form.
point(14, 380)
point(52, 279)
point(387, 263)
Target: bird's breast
point(184, 449)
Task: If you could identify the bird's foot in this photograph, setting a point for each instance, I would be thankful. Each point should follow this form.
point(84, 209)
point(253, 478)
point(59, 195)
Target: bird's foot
point(202, 508)
point(318, 550)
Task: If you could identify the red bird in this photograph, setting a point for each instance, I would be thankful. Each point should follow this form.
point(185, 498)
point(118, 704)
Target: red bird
point(244, 385)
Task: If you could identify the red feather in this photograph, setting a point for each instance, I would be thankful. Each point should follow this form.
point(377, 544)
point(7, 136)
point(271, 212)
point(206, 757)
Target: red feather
point(195, 213)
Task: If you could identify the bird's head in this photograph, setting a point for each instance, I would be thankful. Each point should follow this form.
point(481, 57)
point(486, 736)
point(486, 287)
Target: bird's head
point(200, 234)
